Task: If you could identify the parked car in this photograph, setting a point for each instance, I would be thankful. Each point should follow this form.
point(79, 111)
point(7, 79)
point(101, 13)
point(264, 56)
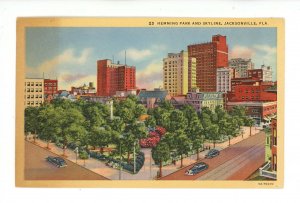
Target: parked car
point(57, 161)
point(212, 153)
point(197, 168)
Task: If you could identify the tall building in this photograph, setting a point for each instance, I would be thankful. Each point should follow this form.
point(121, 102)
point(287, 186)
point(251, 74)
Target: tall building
point(224, 76)
point(34, 92)
point(209, 56)
point(240, 67)
point(114, 77)
point(179, 73)
point(50, 87)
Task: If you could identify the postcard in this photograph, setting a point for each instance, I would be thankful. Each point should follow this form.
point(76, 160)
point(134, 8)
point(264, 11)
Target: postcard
point(150, 102)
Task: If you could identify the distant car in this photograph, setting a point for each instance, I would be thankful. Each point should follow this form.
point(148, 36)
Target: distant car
point(212, 153)
point(197, 168)
point(57, 161)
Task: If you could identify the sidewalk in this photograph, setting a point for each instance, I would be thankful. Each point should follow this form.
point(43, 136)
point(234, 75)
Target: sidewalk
point(149, 170)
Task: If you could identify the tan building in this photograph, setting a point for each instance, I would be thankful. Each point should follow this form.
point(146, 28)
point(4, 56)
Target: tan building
point(34, 92)
point(224, 76)
point(176, 73)
point(241, 67)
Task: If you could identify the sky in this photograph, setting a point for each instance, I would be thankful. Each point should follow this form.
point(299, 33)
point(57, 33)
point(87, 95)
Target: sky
point(71, 54)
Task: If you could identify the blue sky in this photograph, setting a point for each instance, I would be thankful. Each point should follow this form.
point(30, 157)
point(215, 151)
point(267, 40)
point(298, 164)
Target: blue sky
point(70, 54)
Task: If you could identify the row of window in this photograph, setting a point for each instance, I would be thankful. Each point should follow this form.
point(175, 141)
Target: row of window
point(32, 102)
point(34, 90)
point(34, 96)
point(37, 84)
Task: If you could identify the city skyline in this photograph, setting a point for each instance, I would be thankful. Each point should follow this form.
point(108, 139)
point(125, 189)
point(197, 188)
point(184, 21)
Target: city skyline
point(71, 54)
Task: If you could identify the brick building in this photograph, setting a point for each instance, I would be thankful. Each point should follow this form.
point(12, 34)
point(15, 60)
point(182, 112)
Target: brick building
point(259, 111)
point(209, 56)
point(50, 87)
point(114, 77)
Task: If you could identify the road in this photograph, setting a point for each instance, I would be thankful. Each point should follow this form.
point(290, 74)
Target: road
point(236, 162)
point(37, 168)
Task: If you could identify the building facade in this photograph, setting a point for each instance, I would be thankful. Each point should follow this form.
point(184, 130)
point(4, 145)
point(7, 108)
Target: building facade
point(209, 56)
point(114, 77)
point(33, 92)
point(224, 76)
point(50, 87)
point(264, 73)
point(178, 76)
point(240, 67)
point(210, 100)
point(84, 90)
point(274, 144)
point(259, 111)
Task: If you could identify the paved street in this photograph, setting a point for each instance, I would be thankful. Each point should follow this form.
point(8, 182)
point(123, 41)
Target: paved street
point(149, 170)
point(37, 168)
point(236, 162)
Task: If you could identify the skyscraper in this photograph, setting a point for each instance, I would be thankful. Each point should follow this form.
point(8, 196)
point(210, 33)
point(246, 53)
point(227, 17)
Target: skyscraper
point(114, 77)
point(179, 73)
point(209, 56)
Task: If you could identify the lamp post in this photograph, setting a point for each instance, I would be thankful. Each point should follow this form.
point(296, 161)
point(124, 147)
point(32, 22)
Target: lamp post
point(76, 153)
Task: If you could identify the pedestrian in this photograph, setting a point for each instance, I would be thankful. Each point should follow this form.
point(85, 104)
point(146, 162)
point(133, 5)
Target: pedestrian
point(209, 147)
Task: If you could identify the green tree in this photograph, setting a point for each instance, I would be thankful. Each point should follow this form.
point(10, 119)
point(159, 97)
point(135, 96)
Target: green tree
point(166, 105)
point(189, 113)
point(126, 115)
point(177, 121)
point(117, 124)
point(72, 125)
point(139, 110)
point(161, 153)
point(194, 133)
point(50, 123)
point(183, 145)
point(31, 121)
point(213, 133)
point(250, 123)
point(150, 122)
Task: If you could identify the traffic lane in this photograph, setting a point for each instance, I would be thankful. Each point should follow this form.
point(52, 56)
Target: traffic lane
point(235, 165)
point(225, 155)
point(37, 168)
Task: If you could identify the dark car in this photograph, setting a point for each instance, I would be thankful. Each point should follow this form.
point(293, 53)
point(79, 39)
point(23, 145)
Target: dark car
point(212, 153)
point(197, 168)
point(57, 161)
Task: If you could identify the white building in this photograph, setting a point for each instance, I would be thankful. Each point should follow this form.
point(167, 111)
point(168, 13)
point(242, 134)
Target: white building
point(34, 92)
point(240, 67)
point(267, 73)
point(176, 73)
point(224, 76)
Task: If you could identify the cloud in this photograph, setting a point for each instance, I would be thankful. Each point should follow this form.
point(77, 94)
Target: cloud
point(65, 58)
point(135, 54)
point(239, 51)
point(151, 76)
point(265, 48)
point(67, 80)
